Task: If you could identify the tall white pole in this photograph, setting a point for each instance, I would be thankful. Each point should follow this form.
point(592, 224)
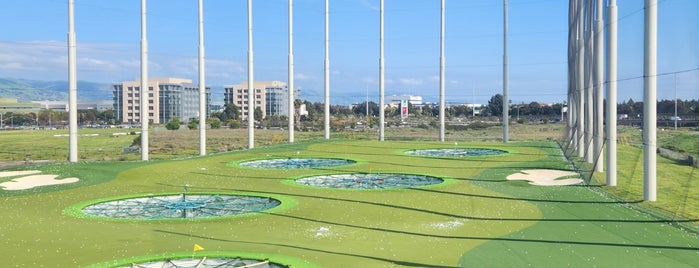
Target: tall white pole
point(589, 85)
point(251, 84)
point(144, 84)
point(202, 83)
point(291, 72)
point(441, 74)
point(72, 87)
point(599, 90)
point(381, 75)
point(611, 94)
point(650, 99)
point(505, 79)
point(327, 69)
point(580, 111)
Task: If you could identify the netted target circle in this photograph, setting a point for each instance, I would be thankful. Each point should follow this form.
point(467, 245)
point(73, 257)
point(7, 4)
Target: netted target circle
point(296, 163)
point(181, 206)
point(456, 152)
point(208, 262)
point(369, 181)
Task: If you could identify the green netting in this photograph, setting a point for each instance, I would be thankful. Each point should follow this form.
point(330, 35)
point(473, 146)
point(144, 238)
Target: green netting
point(206, 262)
point(369, 181)
point(456, 152)
point(294, 163)
point(181, 206)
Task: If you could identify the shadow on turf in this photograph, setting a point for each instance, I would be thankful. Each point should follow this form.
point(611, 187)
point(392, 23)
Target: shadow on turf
point(398, 262)
point(444, 213)
point(528, 199)
point(436, 236)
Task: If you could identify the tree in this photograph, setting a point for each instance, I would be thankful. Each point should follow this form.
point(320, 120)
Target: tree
point(230, 112)
point(258, 114)
point(215, 123)
point(234, 124)
point(174, 124)
point(494, 106)
point(193, 123)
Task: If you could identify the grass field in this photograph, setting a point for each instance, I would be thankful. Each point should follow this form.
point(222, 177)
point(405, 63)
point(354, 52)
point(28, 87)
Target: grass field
point(476, 218)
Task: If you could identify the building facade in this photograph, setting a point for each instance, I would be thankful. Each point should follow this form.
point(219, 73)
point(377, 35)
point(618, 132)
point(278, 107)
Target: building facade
point(396, 100)
point(272, 97)
point(174, 97)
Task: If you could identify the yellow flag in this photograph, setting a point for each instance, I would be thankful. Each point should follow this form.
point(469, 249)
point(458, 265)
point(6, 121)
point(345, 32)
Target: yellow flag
point(198, 247)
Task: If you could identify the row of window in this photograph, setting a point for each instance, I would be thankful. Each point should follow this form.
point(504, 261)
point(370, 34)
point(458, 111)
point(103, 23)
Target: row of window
point(259, 103)
point(245, 90)
point(149, 101)
point(246, 96)
point(138, 89)
point(139, 114)
point(131, 108)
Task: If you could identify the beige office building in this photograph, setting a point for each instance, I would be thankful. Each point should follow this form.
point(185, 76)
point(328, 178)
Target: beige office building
point(271, 96)
point(174, 97)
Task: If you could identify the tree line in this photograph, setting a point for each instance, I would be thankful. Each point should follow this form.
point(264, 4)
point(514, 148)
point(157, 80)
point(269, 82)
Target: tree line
point(231, 115)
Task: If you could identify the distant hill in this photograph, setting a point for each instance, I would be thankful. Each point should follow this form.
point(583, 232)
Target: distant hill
point(26, 90)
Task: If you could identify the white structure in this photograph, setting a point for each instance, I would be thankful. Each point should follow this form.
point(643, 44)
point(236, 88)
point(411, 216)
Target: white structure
point(396, 99)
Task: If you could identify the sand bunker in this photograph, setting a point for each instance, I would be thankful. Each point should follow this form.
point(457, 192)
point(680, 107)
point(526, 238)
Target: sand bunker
point(546, 177)
point(34, 179)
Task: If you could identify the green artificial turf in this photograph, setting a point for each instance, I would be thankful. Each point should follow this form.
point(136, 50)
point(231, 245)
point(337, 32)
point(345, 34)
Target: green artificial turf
point(476, 219)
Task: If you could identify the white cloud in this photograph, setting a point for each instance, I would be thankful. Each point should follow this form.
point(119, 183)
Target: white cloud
point(105, 62)
point(410, 81)
point(369, 4)
point(302, 76)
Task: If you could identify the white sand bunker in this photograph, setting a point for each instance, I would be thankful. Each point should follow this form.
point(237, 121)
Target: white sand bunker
point(546, 177)
point(31, 179)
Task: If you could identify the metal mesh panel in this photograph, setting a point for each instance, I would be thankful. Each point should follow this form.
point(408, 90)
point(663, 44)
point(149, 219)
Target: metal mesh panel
point(181, 206)
point(206, 263)
point(456, 152)
point(294, 163)
point(369, 181)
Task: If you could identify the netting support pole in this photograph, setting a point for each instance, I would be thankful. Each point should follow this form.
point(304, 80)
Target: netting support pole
point(599, 87)
point(650, 55)
point(442, 103)
point(290, 86)
point(72, 87)
point(202, 83)
point(611, 93)
point(505, 77)
point(144, 85)
point(251, 84)
point(381, 74)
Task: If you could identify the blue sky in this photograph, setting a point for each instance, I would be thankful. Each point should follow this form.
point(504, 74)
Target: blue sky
point(33, 45)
